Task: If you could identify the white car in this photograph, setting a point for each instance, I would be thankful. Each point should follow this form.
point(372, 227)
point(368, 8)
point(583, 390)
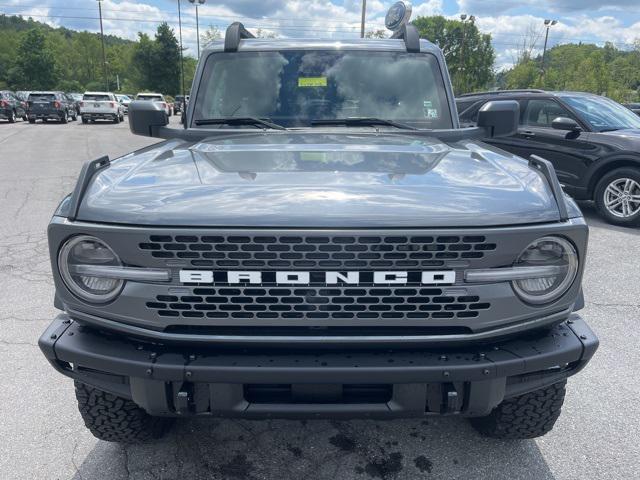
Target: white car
point(100, 106)
point(156, 97)
point(124, 100)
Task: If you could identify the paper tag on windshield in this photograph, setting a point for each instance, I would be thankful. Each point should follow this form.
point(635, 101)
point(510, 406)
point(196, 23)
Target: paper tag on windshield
point(312, 81)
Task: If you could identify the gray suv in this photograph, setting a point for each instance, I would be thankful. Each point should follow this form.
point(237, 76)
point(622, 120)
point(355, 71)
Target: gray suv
point(321, 239)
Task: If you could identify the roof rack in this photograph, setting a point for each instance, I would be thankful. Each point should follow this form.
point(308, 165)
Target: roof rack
point(235, 33)
point(522, 90)
point(409, 33)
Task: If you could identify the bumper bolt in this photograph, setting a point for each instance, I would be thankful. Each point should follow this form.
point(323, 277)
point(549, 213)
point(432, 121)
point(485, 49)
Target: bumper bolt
point(443, 357)
point(486, 371)
point(188, 374)
point(569, 322)
point(153, 355)
point(583, 337)
point(445, 374)
point(149, 371)
point(53, 336)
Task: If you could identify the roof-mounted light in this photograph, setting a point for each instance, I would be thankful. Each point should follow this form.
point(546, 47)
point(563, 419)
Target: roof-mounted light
point(398, 15)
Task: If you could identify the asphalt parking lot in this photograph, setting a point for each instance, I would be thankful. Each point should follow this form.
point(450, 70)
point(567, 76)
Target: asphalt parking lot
point(42, 435)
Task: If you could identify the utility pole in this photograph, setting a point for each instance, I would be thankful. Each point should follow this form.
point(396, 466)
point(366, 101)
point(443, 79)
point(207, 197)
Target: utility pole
point(364, 14)
point(181, 57)
point(104, 55)
point(463, 60)
point(548, 23)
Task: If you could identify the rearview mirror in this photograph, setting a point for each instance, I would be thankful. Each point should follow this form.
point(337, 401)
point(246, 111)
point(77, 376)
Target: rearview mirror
point(564, 123)
point(499, 117)
point(146, 117)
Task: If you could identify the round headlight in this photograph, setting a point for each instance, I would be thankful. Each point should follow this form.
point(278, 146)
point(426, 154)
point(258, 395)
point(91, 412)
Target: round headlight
point(547, 251)
point(86, 250)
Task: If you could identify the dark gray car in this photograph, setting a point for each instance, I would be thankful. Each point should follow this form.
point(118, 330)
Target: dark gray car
point(322, 239)
point(47, 106)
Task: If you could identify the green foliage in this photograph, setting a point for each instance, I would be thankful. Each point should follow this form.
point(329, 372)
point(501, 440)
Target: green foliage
point(468, 52)
point(34, 55)
point(582, 67)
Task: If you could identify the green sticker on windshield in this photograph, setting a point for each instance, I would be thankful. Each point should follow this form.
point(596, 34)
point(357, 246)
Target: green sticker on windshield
point(312, 81)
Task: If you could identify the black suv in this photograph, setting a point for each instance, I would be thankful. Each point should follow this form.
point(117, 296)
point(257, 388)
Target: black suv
point(50, 106)
point(592, 141)
point(11, 107)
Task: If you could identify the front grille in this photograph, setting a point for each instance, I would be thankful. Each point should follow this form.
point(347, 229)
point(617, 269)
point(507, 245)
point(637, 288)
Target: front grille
point(316, 251)
point(318, 303)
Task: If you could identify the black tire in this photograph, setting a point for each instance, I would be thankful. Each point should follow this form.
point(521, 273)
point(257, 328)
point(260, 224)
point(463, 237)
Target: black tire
point(12, 117)
point(85, 120)
point(526, 416)
point(63, 118)
point(116, 119)
point(115, 419)
point(32, 120)
point(74, 116)
point(600, 196)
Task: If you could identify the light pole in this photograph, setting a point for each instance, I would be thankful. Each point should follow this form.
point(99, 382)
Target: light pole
point(196, 2)
point(364, 14)
point(463, 62)
point(181, 57)
point(104, 55)
point(548, 23)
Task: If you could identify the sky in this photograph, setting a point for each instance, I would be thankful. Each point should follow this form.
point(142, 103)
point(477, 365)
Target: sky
point(511, 23)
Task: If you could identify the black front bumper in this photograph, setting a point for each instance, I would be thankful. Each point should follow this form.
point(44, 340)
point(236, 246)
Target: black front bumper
point(182, 380)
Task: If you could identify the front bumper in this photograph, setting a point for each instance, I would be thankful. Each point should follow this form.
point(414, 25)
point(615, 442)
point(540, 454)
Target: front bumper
point(173, 380)
point(46, 114)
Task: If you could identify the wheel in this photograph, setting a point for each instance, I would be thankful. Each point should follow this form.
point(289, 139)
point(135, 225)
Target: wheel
point(617, 197)
point(116, 119)
point(32, 120)
point(25, 118)
point(63, 118)
point(527, 416)
point(74, 116)
point(115, 419)
point(12, 117)
point(85, 120)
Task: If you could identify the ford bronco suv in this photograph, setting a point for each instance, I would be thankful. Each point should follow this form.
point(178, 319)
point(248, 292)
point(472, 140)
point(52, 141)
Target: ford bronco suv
point(320, 239)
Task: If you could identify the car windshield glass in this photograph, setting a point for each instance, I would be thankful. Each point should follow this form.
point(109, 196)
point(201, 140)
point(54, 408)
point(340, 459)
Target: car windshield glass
point(149, 97)
point(296, 88)
point(96, 98)
point(45, 97)
point(603, 114)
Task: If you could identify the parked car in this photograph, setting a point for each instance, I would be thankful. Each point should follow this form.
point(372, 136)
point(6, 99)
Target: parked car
point(295, 252)
point(180, 101)
point(124, 100)
point(634, 107)
point(23, 95)
point(77, 98)
point(101, 106)
point(50, 106)
point(592, 141)
point(11, 107)
point(158, 98)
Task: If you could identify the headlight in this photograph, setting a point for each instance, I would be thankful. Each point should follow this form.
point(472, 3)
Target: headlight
point(82, 251)
point(548, 252)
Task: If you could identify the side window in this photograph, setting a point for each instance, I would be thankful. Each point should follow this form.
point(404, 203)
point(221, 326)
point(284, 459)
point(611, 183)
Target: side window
point(542, 112)
point(469, 112)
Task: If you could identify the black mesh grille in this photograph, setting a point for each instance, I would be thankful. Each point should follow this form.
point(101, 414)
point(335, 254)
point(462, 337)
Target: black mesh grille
point(318, 303)
point(316, 252)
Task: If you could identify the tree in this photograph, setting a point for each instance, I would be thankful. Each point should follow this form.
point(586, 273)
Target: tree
point(210, 35)
point(35, 65)
point(468, 52)
point(381, 33)
point(166, 61)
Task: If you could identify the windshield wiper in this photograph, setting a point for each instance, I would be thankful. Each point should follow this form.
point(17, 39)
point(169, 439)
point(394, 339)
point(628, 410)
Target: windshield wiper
point(362, 121)
point(258, 122)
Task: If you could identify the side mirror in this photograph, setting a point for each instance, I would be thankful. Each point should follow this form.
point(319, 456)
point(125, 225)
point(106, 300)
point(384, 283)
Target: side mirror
point(564, 123)
point(499, 117)
point(146, 117)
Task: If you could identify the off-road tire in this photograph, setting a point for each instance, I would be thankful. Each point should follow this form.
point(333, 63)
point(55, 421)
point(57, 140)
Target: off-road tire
point(115, 419)
point(599, 194)
point(526, 416)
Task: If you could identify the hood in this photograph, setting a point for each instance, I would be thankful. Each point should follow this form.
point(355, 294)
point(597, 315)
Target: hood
point(284, 179)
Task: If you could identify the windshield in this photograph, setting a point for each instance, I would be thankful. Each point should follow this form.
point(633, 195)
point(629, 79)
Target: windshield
point(602, 113)
point(296, 88)
point(122, 98)
point(96, 98)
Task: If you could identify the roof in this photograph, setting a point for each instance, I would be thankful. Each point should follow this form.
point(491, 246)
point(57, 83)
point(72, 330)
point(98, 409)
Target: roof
point(532, 92)
point(97, 93)
point(364, 44)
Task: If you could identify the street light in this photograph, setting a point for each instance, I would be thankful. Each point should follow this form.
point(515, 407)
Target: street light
point(548, 23)
point(463, 19)
point(196, 2)
point(104, 55)
point(364, 14)
point(181, 57)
